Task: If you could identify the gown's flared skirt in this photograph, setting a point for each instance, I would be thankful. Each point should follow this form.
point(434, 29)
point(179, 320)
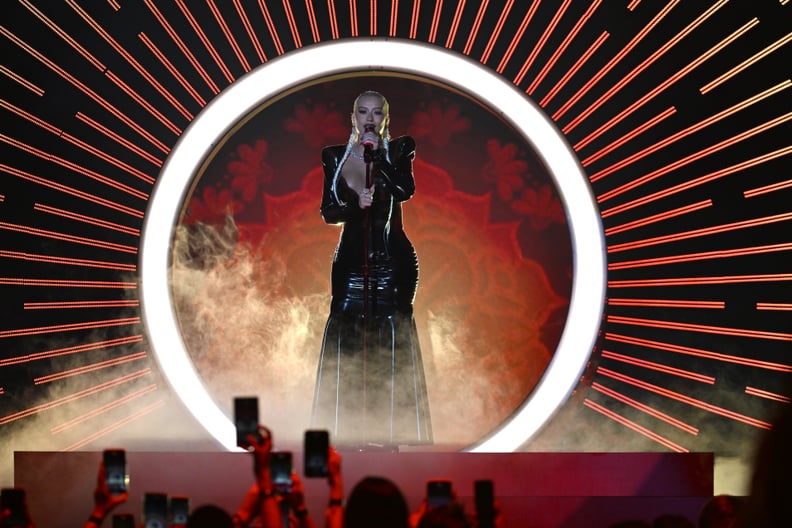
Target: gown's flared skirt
point(370, 385)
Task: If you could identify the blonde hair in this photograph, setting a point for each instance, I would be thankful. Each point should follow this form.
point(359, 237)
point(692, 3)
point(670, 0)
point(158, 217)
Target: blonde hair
point(353, 138)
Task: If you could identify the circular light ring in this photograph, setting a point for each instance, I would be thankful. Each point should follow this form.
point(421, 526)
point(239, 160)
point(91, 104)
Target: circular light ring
point(430, 62)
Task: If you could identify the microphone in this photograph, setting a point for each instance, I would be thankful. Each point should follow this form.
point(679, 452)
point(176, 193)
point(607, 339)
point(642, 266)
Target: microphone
point(368, 145)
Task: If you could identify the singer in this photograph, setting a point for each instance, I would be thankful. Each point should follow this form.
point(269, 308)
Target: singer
point(370, 386)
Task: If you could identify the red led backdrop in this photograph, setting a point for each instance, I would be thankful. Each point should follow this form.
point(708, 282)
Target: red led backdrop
point(487, 223)
point(677, 110)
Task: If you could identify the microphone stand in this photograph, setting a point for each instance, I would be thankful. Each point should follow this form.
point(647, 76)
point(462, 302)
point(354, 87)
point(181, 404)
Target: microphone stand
point(284, 509)
point(366, 245)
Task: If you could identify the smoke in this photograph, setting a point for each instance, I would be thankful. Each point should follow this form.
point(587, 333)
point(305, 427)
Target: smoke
point(252, 315)
point(576, 428)
point(117, 405)
point(247, 336)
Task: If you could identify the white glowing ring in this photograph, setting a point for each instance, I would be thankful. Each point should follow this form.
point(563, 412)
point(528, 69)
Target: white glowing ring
point(355, 55)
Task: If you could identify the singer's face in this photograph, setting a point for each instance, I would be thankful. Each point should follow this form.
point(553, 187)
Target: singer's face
point(370, 111)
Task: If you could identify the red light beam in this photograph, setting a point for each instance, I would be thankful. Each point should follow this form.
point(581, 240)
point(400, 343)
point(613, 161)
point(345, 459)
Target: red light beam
point(68, 305)
point(686, 281)
point(73, 166)
point(88, 325)
point(784, 307)
point(229, 37)
point(703, 153)
point(62, 283)
point(691, 130)
point(67, 351)
point(84, 89)
point(51, 259)
point(205, 40)
point(637, 131)
point(627, 48)
point(295, 31)
point(416, 11)
point(497, 31)
point(767, 395)
point(541, 43)
point(103, 409)
point(353, 18)
point(271, 26)
point(657, 367)
point(768, 188)
point(662, 86)
point(118, 139)
point(333, 20)
point(435, 20)
point(85, 219)
point(644, 65)
point(182, 46)
point(455, 24)
point(138, 68)
point(746, 64)
point(695, 233)
point(250, 32)
point(704, 255)
point(667, 303)
point(93, 367)
point(551, 62)
point(518, 36)
point(574, 69)
point(699, 353)
point(634, 426)
point(476, 26)
point(720, 411)
point(645, 408)
point(372, 17)
point(73, 192)
point(21, 80)
point(312, 20)
point(66, 237)
point(117, 425)
point(707, 178)
point(690, 327)
point(76, 396)
point(659, 217)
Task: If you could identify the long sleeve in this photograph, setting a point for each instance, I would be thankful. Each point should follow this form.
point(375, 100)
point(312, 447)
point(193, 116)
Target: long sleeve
point(398, 176)
point(332, 210)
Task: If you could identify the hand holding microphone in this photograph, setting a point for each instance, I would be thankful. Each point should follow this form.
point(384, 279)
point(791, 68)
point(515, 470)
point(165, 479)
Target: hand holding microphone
point(369, 140)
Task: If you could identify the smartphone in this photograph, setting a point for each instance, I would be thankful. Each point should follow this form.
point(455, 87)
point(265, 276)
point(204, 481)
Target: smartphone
point(484, 497)
point(155, 510)
point(438, 493)
point(12, 500)
point(246, 419)
point(315, 450)
point(123, 520)
point(179, 510)
point(281, 470)
point(116, 475)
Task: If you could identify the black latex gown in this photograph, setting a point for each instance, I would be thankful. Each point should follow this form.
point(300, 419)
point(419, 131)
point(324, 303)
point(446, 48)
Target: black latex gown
point(370, 384)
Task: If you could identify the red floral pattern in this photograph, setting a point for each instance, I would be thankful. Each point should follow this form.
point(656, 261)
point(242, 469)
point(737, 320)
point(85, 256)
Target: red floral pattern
point(504, 169)
point(249, 168)
point(438, 123)
point(318, 124)
point(515, 185)
point(211, 206)
point(541, 206)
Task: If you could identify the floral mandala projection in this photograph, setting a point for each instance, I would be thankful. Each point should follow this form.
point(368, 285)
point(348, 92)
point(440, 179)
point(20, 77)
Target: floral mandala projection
point(252, 258)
